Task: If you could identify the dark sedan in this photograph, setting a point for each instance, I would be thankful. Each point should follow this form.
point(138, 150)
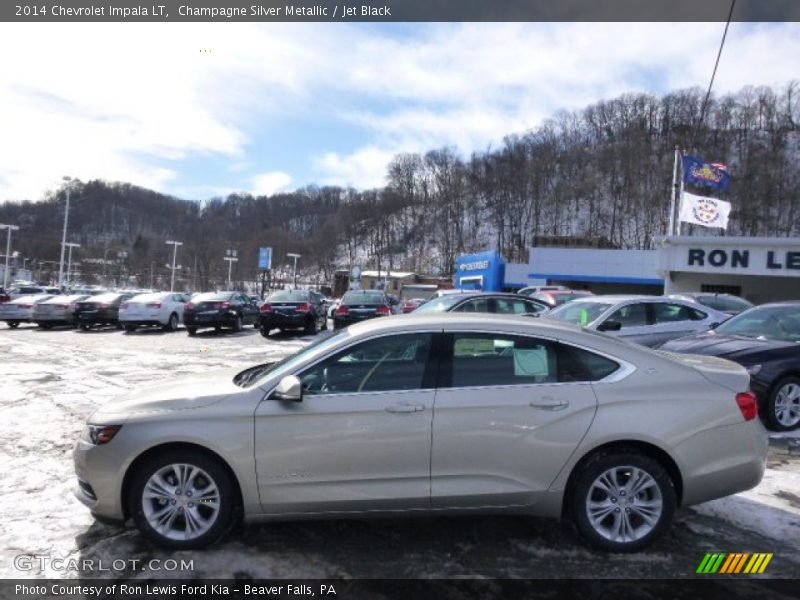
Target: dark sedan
point(293, 309)
point(99, 310)
point(485, 302)
point(231, 310)
point(766, 341)
point(360, 305)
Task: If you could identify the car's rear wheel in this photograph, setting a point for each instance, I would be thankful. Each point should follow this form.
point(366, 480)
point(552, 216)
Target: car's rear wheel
point(172, 324)
point(130, 328)
point(182, 500)
point(265, 331)
point(13, 324)
point(783, 406)
point(311, 325)
point(623, 501)
point(238, 325)
point(192, 331)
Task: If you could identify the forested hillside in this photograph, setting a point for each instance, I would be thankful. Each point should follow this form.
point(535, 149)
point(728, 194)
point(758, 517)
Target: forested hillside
point(603, 172)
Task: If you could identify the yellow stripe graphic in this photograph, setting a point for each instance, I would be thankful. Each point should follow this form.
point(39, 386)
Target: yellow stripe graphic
point(749, 566)
point(765, 563)
point(740, 564)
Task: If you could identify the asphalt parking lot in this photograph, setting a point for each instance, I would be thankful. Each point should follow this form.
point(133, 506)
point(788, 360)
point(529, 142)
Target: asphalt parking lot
point(51, 381)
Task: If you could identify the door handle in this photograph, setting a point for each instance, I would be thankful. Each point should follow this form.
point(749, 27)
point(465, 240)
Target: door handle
point(405, 407)
point(549, 403)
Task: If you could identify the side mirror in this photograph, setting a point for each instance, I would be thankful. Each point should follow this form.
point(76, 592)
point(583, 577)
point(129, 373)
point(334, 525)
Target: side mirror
point(609, 326)
point(290, 389)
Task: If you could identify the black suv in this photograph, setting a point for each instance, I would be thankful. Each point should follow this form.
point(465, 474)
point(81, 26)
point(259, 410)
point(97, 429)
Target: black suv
point(233, 310)
point(294, 309)
point(360, 305)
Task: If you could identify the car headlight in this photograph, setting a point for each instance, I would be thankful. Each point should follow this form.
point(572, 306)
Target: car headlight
point(99, 434)
point(753, 369)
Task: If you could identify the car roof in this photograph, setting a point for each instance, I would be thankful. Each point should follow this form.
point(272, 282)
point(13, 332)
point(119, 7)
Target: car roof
point(617, 298)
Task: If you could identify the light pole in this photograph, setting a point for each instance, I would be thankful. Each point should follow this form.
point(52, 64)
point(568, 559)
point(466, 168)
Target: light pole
point(230, 256)
point(68, 180)
point(9, 229)
point(295, 257)
point(174, 258)
point(69, 260)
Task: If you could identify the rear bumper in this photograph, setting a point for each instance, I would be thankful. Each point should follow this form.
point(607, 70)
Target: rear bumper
point(215, 321)
point(276, 320)
point(722, 461)
point(142, 322)
point(339, 322)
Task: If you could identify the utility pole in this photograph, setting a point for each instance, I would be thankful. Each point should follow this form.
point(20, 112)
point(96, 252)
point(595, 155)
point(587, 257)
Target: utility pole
point(173, 267)
point(295, 257)
point(69, 260)
point(68, 181)
point(230, 256)
point(9, 229)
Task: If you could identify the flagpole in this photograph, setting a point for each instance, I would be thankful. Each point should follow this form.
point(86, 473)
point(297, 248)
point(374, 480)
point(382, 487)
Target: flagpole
point(671, 229)
point(680, 203)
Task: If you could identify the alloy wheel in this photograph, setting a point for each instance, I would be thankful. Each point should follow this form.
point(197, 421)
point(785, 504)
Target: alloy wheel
point(787, 405)
point(624, 504)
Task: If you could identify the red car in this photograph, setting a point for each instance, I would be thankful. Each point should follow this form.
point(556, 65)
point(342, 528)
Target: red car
point(3, 296)
point(410, 304)
point(559, 297)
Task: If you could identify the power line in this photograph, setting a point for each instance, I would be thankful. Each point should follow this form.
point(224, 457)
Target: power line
point(713, 74)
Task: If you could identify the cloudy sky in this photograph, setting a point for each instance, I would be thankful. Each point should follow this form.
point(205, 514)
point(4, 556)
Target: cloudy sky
point(265, 108)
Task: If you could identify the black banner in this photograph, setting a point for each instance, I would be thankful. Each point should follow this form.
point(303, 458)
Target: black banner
point(398, 10)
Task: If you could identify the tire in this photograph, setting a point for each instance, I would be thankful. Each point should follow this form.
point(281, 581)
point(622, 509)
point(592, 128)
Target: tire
point(130, 328)
point(606, 531)
point(172, 325)
point(325, 324)
point(202, 474)
point(192, 331)
point(13, 324)
point(238, 324)
point(782, 411)
point(86, 327)
point(265, 331)
point(311, 326)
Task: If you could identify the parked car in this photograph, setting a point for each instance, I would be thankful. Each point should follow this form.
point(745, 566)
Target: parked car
point(484, 302)
point(535, 289)
point(20, 310)
point(559, 297)
point(102, 309)
point(57, 310)
point(411, 304)
point(4, 297)
point(727, 303)
point(293, 309)
point(646, 320)
point(18, 291)
point(359, 305)
point(766, 341)
point(232, 310)
point(160, 309)
point(532, 416)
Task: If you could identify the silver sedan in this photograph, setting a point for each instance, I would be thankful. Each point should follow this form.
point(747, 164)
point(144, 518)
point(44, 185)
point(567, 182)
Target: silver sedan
point(430, 413)
point(647, 320)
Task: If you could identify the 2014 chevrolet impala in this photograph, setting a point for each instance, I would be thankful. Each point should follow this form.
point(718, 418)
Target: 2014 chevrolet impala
point(427, 413)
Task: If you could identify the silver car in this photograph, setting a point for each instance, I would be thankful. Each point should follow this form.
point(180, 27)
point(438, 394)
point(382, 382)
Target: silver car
point(20, 310)
point(646, 320)
point(430, 413)
point(56, 310)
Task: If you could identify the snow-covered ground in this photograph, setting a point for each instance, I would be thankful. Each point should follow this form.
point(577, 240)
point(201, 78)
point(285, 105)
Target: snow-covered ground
point(51, 381)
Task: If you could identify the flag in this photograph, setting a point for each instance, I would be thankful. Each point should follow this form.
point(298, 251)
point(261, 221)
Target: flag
point(708, 212)
point(713, 175)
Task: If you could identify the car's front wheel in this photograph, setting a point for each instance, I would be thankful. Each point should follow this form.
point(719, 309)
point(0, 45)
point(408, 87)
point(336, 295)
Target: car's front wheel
point(172, 324)
point(783, 406)
point(192, 331)
point(13, 324)
point(182, 500)
point(622, 501)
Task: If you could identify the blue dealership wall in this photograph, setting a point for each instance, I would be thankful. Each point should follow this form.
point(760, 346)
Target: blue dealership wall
point(480, 271)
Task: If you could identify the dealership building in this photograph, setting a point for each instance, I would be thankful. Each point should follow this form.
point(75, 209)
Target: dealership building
point(759, 269)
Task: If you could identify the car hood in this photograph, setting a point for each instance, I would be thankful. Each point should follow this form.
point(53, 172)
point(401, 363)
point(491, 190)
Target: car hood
point(186, 393)
point(733, 347)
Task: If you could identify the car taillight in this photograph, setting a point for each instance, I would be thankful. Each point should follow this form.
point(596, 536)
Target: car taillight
point(63, 305)
point(304, 307)
point(104, 306)
point(189, 305)
point(342, 311)
point(124, 306)
point(153, 305)
point(383, 310)
point(26, 305)
point(748, 404)
point(266, 308)
point(224, 305)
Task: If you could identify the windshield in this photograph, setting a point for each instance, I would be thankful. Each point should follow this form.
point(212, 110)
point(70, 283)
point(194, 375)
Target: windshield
point(211, 297)
point(440, 304)
point(351, 298)
point(765, 322)
point(255, 375)
point(578, 312)
point(291, 296)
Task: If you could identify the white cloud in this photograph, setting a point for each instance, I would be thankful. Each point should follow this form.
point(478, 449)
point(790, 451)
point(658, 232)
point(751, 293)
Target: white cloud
point(266, 184)
point(140, 102)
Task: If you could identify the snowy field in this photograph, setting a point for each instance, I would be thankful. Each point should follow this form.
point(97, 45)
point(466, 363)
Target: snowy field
point(51, 381)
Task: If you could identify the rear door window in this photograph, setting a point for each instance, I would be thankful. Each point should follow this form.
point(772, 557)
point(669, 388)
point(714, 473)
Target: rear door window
point(675, 313)
point(631, 315)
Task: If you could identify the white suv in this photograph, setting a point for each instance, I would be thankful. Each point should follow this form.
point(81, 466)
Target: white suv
point(164, 309)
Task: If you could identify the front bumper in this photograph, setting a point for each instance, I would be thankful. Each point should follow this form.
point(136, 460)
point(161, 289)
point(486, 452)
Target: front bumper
point(99, 472)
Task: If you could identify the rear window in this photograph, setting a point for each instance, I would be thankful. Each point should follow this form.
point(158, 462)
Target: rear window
point(211, 297)
point(104, 298)
point(578, 312)
point(362, 298)
point(149, 297)
point(440, 304)
point(290, 296)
